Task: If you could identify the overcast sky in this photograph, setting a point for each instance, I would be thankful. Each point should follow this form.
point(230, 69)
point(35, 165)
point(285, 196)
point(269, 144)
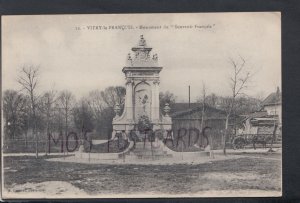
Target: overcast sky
point(85, 60)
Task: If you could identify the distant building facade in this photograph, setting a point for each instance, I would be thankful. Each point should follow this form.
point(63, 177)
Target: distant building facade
point(186, 121)
point(265, 120)
point(273, 106)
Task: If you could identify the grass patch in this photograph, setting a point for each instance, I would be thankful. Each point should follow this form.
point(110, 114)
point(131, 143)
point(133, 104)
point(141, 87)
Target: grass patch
point(242, 173)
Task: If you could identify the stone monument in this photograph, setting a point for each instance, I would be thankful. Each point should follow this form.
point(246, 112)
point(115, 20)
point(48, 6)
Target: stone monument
point(142, 92)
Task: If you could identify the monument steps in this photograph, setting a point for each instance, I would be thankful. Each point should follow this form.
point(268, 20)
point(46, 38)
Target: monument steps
point(143, 150)
point(153, 157)
point(146, 153)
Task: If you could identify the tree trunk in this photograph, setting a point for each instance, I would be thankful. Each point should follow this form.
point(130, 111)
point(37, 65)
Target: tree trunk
point(36, 141)
point(25, 136)
point(273, 138)
point(201, 126)
point(34, 125)
point(46, 138)
point(26, 131)
point(66, 133)
point(225, 133)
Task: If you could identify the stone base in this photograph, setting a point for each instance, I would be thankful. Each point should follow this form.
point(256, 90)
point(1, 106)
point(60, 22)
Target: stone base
point(145, 151)
point(148, 150)
point(97, 156)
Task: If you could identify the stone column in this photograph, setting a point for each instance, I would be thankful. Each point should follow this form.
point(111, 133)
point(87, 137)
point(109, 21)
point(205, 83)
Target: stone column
point(155, 99)
point(129, 104)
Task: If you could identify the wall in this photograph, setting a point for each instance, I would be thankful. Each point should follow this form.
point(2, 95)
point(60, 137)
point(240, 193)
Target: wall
point(274, 110)
point(182, 128)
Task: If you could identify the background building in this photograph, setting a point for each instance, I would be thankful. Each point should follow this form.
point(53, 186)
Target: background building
point(187, 119)
point(264, 121)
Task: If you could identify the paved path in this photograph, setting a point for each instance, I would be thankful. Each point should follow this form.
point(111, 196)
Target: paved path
point(33, 154)
point(248, 151)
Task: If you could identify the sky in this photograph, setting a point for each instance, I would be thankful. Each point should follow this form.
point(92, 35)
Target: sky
point(192, 49)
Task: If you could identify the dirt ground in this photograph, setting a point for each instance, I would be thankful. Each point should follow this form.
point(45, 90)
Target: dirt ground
point(244, 173)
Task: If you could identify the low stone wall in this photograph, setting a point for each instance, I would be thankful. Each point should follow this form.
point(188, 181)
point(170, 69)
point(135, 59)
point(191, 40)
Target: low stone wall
point(80, 154)
point(99, 156)
point(115, 156)
point(186, 155)
point(190, 155)
point(170, 153)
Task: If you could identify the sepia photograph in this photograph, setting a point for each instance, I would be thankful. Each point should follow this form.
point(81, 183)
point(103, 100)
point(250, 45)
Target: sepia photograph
point(141, 105)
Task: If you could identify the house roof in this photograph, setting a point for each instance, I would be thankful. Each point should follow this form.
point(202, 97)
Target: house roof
point(264, 121)
point(260, 116)
point(273, 98)
point(179, 110)
point(181, 107)
point(257, 114)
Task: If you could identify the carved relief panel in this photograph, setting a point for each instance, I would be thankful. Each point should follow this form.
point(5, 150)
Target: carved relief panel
point(142, 100)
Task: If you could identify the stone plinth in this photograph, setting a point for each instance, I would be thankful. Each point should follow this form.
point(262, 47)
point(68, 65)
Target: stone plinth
point(144, 150)
point(142, 92)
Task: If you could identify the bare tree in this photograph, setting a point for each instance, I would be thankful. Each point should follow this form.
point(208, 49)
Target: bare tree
point(83, 115)
point(166, 97)
point(203, 105)
point(48, 99)
point(202, 101)
point(27, 116)
point(96, 103)
point(28, 79)
point(212, 100)
point(238, 83)
point(66, 100)
point(114, 95)
point(14, 112)
point(260, 96)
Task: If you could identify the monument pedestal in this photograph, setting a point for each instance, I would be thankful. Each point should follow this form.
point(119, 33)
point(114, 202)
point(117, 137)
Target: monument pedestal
point(142, 92)
point(149, 151)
